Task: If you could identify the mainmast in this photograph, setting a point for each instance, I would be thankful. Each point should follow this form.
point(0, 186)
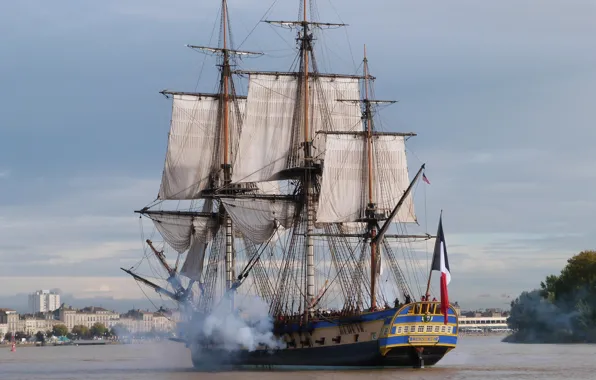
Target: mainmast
point(305, 49)
point(371, 208)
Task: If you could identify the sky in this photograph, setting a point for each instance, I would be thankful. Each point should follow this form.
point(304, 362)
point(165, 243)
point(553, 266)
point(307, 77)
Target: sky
point(500, 93)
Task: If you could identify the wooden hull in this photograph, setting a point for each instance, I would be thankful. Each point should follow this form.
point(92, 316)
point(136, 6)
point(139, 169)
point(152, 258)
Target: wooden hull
point(388, 338)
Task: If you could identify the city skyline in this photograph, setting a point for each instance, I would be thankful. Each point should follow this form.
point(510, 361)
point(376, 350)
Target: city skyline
point(488, 90)
point(19, 302)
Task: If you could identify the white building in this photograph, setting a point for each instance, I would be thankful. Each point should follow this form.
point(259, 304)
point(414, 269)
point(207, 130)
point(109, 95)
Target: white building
point(483, 324)
point(43, 301)
point(87, 316)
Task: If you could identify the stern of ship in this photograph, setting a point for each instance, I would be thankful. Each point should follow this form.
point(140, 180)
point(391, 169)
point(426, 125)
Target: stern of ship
point(418, 336)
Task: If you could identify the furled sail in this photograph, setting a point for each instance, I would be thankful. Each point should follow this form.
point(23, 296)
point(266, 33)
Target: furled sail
point(194, 144)
point(272, 134)
point(344, 192)
point(258, 219)
point(180, 230)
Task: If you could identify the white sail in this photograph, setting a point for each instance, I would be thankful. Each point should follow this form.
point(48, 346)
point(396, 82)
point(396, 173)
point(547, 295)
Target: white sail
point(194, 145)
point(390, 172)
point(195, 258)
point(272, 133)
point(180, 230)
point(257, 219)
point(335, 108)
point(344, 192)
point(352, 228)
point(270, 187)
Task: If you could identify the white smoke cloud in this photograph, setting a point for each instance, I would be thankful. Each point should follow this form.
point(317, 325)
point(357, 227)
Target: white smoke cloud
point(247, 327)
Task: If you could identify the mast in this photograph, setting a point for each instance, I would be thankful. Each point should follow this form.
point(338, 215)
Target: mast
point(310, 261)
point(226, 135)
point(371, 205)
point(191, 174)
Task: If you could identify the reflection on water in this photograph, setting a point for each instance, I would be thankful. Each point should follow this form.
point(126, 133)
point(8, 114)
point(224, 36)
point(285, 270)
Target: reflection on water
point(474, 358)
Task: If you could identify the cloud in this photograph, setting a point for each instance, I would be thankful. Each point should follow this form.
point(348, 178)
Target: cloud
point(80, 286)
point(86, 227)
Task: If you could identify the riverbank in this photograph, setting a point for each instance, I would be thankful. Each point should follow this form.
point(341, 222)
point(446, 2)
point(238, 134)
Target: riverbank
point(73, 343)
point(544, 337)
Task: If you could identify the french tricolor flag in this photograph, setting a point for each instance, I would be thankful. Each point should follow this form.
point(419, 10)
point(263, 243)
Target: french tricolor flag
point(441, 263)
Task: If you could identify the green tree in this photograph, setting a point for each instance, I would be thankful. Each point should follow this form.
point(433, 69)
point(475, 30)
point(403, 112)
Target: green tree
point(98, 329)
point(60, 330)
point(80, 331)
point(563, 310)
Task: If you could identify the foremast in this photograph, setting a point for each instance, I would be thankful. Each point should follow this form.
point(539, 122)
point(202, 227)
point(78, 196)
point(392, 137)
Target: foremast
point(202, 187)
point(227, 167)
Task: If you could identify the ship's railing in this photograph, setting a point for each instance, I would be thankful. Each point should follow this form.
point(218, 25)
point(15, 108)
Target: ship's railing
point(426, 307)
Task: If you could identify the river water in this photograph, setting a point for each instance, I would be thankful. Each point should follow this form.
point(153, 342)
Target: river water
point(474, 358)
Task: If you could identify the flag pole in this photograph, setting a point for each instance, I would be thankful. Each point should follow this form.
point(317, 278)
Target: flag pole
point(431, 268)
point(428, 284)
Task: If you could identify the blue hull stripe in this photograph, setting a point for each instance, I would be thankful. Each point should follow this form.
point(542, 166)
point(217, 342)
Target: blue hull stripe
point(418, 318)
point(404, 340)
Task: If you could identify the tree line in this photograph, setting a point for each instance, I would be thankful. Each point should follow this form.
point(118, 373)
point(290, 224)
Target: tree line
point(563, 310)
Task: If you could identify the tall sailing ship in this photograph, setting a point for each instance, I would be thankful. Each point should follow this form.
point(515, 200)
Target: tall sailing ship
point(289, 193)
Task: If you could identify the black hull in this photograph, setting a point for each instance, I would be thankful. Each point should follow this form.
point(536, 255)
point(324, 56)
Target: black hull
point(365, 354)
